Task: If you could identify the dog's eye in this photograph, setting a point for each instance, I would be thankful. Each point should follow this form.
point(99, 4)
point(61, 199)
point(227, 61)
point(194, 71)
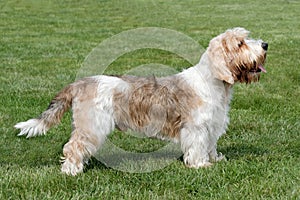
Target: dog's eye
point(241, 43)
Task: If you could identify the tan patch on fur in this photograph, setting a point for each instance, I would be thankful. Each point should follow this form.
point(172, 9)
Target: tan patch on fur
point(78, 146)
point(57, 107)
point(86, 89)
point(155, 105)
point(74, 150)
point(83, 109)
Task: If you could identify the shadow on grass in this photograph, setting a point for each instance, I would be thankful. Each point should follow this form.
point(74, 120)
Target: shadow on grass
point(233, 152)
point(237, 151)
point(94, 164)
point(134, 162)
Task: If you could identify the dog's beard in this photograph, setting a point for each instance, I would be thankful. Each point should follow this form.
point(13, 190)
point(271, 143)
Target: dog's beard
point(247, 73)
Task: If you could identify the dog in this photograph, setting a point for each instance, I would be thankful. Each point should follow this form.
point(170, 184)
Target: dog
point(190, 107)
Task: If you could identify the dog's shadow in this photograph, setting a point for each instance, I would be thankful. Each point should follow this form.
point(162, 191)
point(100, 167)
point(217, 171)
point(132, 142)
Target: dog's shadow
point(95, 164)
point(238, 151)
point(134, 162)
point(232, 152)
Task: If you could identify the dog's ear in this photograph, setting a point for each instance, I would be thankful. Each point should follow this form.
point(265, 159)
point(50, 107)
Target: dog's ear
point(217, 61)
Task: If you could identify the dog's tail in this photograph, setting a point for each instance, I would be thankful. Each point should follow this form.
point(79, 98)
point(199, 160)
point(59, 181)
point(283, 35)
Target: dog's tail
point(58, 106)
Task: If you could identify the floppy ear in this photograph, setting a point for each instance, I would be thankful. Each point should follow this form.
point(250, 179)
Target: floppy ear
point(217, 59)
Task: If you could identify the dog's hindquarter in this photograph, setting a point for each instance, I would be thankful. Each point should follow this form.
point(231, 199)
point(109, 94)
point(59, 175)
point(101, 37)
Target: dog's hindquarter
point(79, 95)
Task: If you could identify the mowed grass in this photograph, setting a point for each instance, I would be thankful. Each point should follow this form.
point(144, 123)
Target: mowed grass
point(42, 47)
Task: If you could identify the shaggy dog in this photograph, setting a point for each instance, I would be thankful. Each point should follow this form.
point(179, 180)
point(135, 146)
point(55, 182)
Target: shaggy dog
point(190, 107)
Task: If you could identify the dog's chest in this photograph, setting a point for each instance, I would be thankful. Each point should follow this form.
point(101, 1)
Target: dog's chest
point(221, 107)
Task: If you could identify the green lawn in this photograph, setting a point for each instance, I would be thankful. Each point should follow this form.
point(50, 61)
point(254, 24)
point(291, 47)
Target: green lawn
point(43, 45)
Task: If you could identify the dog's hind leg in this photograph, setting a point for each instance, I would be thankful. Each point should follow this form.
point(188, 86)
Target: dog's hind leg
point(90, 128)
point(77, 151)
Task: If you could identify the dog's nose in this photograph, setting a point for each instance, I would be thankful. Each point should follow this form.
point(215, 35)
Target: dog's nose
point(264, 45)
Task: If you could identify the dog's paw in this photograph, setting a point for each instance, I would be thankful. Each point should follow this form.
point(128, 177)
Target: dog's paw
point(218, 157)
point(197, 164)
point(70, 168)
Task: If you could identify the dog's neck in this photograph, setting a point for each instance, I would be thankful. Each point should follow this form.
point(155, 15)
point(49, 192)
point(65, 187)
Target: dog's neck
point(203, 68)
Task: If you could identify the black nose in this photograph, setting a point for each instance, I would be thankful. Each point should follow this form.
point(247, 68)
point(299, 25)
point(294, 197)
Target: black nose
point(264, 45)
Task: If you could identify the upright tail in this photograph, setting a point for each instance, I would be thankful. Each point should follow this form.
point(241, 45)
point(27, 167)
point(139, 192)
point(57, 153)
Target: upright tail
point(58, 106)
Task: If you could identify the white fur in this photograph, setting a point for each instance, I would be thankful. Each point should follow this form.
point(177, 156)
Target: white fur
point(69, 168)
point(198, 140)
point(31, 128)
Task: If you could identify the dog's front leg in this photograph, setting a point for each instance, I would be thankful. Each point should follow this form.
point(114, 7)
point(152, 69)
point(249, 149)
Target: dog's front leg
point(195, 144)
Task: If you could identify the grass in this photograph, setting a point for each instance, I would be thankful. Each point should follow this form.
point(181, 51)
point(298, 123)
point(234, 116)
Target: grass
point(43, 45)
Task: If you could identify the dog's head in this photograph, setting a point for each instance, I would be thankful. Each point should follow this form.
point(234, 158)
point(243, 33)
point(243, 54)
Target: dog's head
point(236, 58)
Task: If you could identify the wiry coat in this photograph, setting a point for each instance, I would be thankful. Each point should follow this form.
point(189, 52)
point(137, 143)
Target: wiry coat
point(190, 107)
